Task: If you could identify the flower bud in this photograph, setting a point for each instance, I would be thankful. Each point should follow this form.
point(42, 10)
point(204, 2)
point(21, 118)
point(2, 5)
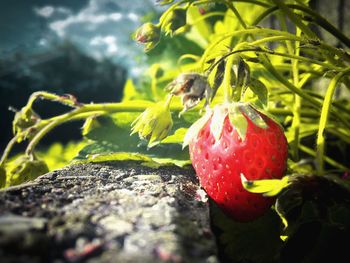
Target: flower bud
point(148, 34)
point(153, 124)
point(24, 119)
point(174, 20)
point(24, 169)
point(191, 87)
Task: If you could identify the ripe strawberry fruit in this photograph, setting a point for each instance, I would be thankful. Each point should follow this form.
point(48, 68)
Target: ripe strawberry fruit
point(231, 140)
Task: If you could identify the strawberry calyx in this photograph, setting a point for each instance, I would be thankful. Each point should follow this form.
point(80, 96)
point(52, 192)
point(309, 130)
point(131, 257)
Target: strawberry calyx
point(238, 112)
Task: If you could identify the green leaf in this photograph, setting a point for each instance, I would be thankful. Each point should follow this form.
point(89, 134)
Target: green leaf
point(218, 76)
point(310, 197)
point(305, 131)
point(202, 29)
point(177, 137)
point(243, 74)
point(257, 241)
point(130, 92)
point(267, 187)
point(259, 89)
point(112, 141)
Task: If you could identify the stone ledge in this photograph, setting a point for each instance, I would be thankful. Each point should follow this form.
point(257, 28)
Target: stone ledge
point(111, 212)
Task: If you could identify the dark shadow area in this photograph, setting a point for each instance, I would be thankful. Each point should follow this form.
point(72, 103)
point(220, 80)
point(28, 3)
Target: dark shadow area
point(62, 69)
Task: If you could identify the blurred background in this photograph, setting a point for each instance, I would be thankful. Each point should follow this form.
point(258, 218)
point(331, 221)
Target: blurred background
point(81, 47)
point(84, 47)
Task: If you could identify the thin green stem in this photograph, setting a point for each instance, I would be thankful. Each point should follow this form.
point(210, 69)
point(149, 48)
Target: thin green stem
point(320, 143)
point(169, 10)
point(313, 102)
point(343, 135)
point(236, 13)
point(296, 20)
point(336, 104)
point(273, 53)
point(87, 110)
point(7, 150)
point(297, 99)
point(274, 39)
point(314, 16)
point(321, 21)
point(325, 158)
point(263, 4)
point(66, 100)
point(205, 16)
point(227, 79)
point(266, 31)
point(286, 112)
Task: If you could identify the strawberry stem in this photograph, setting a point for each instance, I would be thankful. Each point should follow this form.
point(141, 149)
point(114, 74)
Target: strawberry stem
point(227, 80)
point(320, 148)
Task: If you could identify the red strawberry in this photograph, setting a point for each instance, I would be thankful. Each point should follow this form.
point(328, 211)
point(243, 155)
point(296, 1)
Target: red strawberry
point(231, 140)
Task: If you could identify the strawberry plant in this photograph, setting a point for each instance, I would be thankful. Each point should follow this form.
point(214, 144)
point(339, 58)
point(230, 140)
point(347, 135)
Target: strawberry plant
point(265, 112)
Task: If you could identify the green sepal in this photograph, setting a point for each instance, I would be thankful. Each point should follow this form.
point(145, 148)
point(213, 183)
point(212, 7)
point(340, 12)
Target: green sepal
point(148, 34)
point(217, 122)
point(196, 127)
point(266, 187)
point(154, 123)
point(253, 115)
point(238, 121)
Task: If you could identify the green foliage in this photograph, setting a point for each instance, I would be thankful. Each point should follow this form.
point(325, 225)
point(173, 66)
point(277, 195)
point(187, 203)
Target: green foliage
point(2, 177)
point(256, 241)
point(289, 73)
point(315, 211)
point(154, 123)
point(267, 187)
point(112, 141)
point(316, 217)
point(58, 155)
point(23, 169)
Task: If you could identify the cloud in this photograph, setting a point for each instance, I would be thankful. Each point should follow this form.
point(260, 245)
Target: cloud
point(102, 28)
point(109, 42)
point(45, 11)
point(49, 11)
point(94, 13)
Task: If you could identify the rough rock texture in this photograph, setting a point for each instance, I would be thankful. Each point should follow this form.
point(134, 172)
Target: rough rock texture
point(111, 212)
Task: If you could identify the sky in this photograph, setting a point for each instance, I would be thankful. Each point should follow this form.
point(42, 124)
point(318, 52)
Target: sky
point(101, 28)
